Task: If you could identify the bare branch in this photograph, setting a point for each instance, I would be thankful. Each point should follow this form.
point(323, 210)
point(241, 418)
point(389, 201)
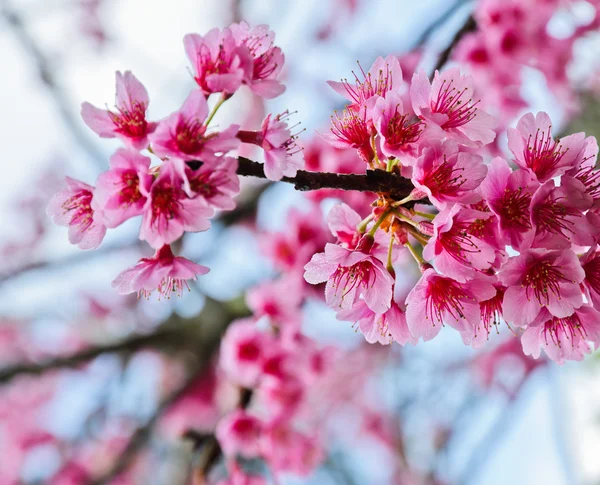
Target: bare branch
point(376, 181)
point(469, 26)
point(175, 334)
point(46, 75)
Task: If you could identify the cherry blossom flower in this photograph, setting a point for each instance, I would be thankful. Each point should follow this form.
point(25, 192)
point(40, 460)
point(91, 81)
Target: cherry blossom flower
point(491, 366)
point(491, 310)
point(243, 350)
point(267, 59)
point(586, 171)
point(72, 207)
point(239, 434)
point(557, 215)
point(183, 134)
point(437, 299)
point(220, 64)
point(447, 104)
point(278, 299)
point(458, 252)
point(349, 274)
point(591, 267)
point(384, 328)
point(216, 182)
point(351, 130)
point(509, 196)
point(399, 132)
point(288, 450)
point(304, 235)
point(538, 279)
point(384, 76)
point(283, 155)
point(448, 175)
point(168, 211)
point(565, 338)
point(163, 272)
point(117, 196)
point(128, 122)
point(535, 150)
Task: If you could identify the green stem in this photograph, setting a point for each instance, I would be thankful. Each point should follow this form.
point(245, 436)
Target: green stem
point(406, 219)
point(426, 215)
point(212, 114)
point(362, 225)
point(413, 252)
point(392, 162)
point(417, 235)
point(374, 147)
point(406, 199)
point(378, 223)
point(389, 266)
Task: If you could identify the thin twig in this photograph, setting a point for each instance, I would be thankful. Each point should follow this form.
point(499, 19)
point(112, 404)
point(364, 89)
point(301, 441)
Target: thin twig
point(46, 75)
point(208, 445)
point(166, 336)
point(469, 26)
point(438, 22)
point(141, 436)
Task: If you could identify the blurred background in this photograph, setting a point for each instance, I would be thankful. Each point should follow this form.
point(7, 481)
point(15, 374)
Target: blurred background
point(97, 388)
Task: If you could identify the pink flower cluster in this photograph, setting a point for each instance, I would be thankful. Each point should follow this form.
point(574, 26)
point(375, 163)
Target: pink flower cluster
point(518, 245)
point(513, 34)
point(175, 173)
point(268, 355)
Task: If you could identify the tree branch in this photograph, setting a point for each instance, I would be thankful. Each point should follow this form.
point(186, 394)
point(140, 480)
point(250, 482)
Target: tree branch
point(376, 181)
point(469, 26)
point(47, 77)
point(211, 449)
point(176, 333)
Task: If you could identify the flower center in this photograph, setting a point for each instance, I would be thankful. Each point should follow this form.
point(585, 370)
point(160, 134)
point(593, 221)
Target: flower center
point(369, 86)
point(402, 132)
point(445, 179)
point(451, 103)
point(591, 179)
point(559, 328)
point(592, 273)
point(552, 216)
point(491, 310)
point(130, 190)
point(190, 135)
point(131, 123)
point(444, 296)
point(349, 277)
point(458, 242)
point(248, 351)
point(207, 184)
point(543, 154)
point(165, 203)
point(541, 280)
point(350, 128)
point(80, 208)
point(514, 208)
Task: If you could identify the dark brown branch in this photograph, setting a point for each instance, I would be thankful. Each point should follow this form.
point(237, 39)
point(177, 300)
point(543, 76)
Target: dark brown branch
point(469, 26)
point(376, 181)
point(175, 334)
point(141, 436)
point(438, 22)
point(203, 341)
point(168, 335)
point(208, 445)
